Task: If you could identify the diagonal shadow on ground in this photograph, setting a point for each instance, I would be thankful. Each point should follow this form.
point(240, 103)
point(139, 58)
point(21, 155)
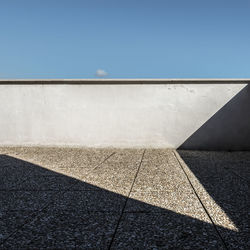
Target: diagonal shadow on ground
point(42, 208)
point(225, 178)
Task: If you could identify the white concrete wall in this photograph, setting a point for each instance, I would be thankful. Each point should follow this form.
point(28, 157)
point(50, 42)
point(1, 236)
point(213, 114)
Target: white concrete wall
point(157, 115)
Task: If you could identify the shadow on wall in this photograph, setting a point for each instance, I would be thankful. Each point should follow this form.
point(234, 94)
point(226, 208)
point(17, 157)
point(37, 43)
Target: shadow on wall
point(41, 208)
point(229, 126)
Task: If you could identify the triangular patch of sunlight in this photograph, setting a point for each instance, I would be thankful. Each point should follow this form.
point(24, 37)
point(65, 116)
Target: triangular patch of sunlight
point(218, 215)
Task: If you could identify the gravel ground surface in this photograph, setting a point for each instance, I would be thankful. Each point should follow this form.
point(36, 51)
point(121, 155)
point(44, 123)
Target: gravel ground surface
point(63, 198)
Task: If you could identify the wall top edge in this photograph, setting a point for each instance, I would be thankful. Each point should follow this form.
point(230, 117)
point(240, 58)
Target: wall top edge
point(122, 81)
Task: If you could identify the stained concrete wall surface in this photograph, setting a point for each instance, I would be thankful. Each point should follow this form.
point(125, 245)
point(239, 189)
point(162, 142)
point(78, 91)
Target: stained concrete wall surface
point(123, 115)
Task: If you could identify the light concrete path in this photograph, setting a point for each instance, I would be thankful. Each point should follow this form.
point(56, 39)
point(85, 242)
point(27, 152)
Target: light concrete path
point(123, 199)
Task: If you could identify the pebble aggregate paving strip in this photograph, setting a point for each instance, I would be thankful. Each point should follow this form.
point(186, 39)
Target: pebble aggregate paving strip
point(123, 198)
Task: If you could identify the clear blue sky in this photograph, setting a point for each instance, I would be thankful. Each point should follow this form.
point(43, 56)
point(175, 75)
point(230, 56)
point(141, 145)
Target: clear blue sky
point(126, 38)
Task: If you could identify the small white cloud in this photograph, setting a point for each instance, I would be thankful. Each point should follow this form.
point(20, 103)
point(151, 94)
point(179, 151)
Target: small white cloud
point(101, 73)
